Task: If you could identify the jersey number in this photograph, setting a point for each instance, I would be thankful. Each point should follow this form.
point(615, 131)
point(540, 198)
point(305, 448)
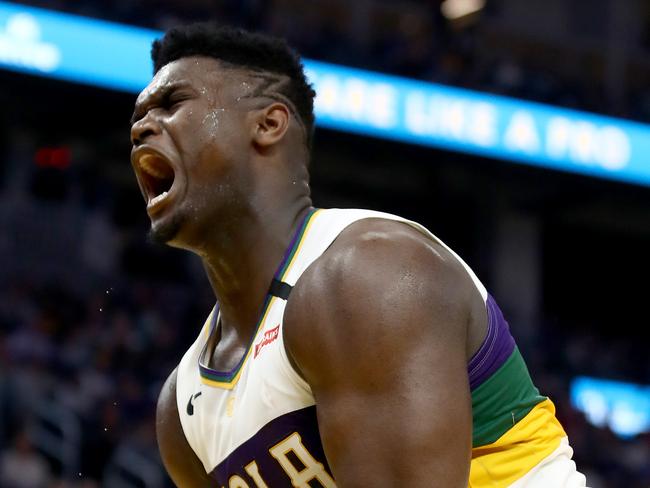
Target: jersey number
point(301, 476)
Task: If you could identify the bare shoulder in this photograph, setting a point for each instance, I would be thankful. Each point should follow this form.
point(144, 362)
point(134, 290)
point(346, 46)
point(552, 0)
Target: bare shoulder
point(380, 322)
point(378, 277)
point(181, 463)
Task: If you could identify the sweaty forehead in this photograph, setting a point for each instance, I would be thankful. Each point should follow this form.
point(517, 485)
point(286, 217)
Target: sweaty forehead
point(205, 75)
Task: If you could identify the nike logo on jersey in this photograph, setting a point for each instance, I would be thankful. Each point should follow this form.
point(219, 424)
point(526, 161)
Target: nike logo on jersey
point(269, 336)
point(190, 407)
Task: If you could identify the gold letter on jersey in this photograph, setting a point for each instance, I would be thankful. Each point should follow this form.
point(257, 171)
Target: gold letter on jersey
point(312, 470)
point(254, 472)
point(237, 482)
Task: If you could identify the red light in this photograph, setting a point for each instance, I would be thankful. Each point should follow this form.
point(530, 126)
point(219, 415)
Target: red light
point(53, 157)
point(61, 157)
point(42, 158)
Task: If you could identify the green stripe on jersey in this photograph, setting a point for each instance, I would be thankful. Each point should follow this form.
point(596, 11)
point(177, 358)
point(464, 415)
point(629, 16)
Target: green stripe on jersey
point(503, 400)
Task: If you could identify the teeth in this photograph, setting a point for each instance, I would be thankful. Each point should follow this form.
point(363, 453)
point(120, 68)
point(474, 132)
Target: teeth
point(158, 198)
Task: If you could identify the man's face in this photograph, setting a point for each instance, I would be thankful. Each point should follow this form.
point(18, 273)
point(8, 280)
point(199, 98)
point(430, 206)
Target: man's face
point(190, 144)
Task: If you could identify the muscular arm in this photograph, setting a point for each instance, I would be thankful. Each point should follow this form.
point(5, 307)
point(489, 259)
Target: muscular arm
point(378, 328)
point(181, 463)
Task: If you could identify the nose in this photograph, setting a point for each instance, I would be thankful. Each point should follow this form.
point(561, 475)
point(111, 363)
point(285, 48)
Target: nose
point(144, 128)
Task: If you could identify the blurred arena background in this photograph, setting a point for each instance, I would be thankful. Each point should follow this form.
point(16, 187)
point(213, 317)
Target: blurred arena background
point(549, 203)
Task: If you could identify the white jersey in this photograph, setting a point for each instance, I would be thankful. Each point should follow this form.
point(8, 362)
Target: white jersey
point(255, 426)
point(262, 405)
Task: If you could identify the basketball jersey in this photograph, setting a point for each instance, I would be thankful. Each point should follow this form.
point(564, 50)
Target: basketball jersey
point(255, 426)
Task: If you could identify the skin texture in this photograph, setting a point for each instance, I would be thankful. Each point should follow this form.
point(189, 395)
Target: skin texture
point(180, 461)
point(381, 325)
point(391, 311)
point(240, 179)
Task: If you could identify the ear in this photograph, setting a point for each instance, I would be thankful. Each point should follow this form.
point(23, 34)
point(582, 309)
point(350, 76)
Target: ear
point(271, 124)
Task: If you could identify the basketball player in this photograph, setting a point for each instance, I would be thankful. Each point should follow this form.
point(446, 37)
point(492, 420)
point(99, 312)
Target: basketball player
point(347, 348)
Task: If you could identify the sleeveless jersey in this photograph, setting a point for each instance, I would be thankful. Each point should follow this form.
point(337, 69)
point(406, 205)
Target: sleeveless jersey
point(255, 426)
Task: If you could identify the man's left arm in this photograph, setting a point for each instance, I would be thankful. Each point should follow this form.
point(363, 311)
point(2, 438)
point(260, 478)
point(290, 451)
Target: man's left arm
point(378, 326)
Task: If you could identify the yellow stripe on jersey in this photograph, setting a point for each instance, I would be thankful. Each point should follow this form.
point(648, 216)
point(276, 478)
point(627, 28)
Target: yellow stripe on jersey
point(519, 450)
point(208, 323)
point(301, 243)
point(229, 385)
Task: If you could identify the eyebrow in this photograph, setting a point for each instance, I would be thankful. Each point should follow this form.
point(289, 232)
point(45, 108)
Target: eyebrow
point(155, 96)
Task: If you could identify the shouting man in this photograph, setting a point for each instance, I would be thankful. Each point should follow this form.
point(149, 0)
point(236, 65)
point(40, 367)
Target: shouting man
point(347, 348)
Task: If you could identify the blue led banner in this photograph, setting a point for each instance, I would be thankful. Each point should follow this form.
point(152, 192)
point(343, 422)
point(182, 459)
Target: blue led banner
point(473, 122)
point(74, 48)
point(116, 56)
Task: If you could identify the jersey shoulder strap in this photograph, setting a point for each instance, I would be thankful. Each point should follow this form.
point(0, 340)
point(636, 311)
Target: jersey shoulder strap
point(325, 227)
point(329, 223)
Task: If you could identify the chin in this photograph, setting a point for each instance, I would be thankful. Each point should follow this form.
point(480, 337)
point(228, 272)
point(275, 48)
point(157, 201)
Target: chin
point(165, 232)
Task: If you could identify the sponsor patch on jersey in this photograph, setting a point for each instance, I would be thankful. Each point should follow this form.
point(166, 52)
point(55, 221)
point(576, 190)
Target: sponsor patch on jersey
point(269, 336)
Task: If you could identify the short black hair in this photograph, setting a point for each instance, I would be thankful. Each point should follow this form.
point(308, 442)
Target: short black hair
point(241, 48)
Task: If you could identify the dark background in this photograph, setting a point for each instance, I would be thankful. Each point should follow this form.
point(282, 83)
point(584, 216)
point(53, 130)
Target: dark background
point(93, 318)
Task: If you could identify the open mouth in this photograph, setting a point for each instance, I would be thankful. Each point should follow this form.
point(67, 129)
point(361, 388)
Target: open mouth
point(157, 177)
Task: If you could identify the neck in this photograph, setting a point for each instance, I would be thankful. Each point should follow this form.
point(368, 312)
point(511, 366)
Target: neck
point(241, 261)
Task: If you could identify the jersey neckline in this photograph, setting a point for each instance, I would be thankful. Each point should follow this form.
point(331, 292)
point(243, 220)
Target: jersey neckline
point(228, 379)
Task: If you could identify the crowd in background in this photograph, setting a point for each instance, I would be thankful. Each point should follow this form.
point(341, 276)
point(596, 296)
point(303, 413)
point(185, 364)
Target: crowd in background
point(104, 352)
point(411, 39)
point(92, 319)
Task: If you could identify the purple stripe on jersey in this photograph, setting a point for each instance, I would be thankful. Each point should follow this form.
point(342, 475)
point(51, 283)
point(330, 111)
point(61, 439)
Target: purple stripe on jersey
point(495, 349)
point(257, 448)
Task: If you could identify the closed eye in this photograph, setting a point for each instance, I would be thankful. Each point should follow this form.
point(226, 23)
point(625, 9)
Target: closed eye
point(168, 99)
point(172, 102)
